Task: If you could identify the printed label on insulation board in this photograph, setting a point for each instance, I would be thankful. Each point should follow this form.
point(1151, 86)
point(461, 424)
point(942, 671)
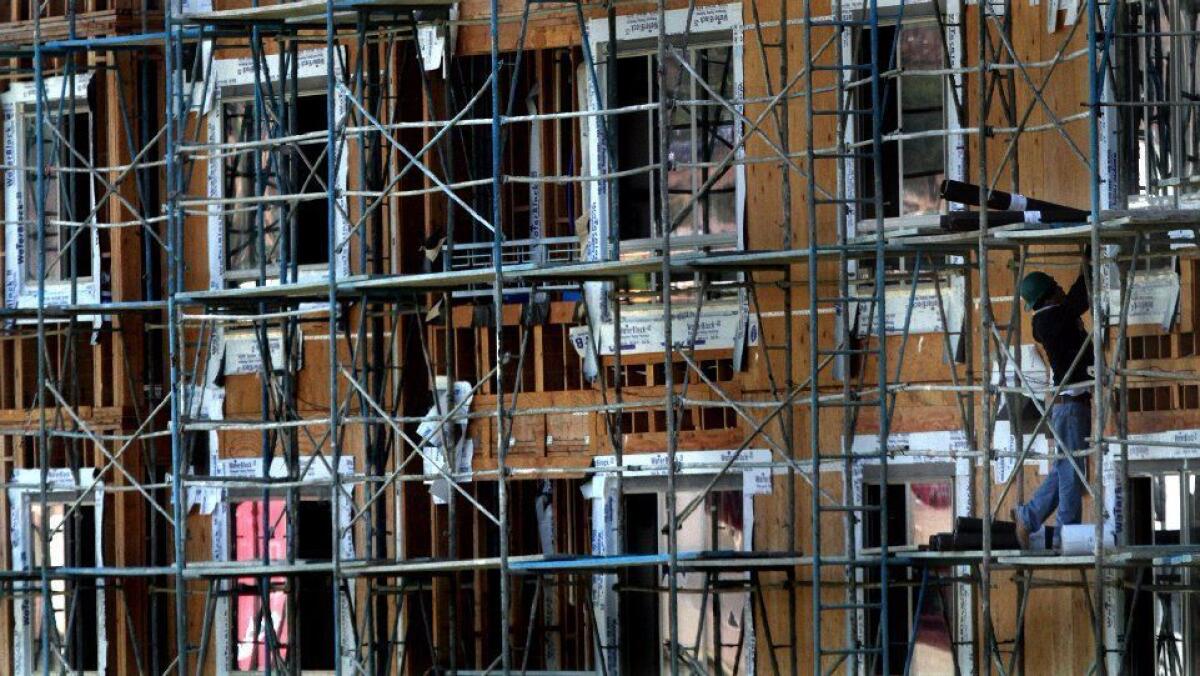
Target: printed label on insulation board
point(1155, 295)
point(926, 310)
point(719, 328)
point(243, 356)
point(645, 26)
point(314, 468)
point(1180, 445)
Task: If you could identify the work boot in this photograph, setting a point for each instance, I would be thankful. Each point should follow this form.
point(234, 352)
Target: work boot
point(1022, 530)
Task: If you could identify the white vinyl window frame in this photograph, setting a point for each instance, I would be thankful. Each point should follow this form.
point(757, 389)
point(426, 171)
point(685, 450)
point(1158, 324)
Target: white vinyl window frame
point(62, 489)
point(955, 144)
point(232, 80)
point(1186, 475)
point(926, 317)
point(19, 105)
point(711, 26)
point(317, 473)
point(644, 473)
point(1147, 459)
point(917, 468)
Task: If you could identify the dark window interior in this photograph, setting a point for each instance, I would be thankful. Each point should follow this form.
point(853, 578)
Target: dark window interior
point(711, 141)
point(911, 103)
point(81, 622)
point(897, 533)
point(75, 618)
point(311, 173)
point(68, 195)
point(636, 145)
point(299, 169)
point(639, 610)
point(314, 591)
point(889, 176)
point(1139, 659)
point(197, 444)
point(1161, 618)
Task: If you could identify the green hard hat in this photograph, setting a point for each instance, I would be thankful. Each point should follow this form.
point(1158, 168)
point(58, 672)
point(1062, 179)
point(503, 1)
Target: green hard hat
point(1034, 286)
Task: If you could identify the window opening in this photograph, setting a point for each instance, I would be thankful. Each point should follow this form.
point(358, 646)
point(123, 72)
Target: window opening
point(701, 135)
point(1165, 510)
point(303, 172)
point(1162, 141)
point(717, 526)
point(916, 510)
point(314, 628)
point(68, 149)
point(913, 168)
point(72, 602)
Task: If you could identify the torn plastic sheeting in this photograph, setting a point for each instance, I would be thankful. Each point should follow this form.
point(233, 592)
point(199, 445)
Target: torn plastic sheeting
point(432, 39)
point(206, 403)
point(548, 539)
point(436, 39)
point(430, 430)
point(439, 488)
point(1034, 369)
point(601, 491)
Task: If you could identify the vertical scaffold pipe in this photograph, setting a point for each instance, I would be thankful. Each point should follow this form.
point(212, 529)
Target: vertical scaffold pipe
point(331, 196)
point(880, 293)
point(498, 316)
point(173, 52)
point(984, 439)
point(665, 105)
point(1095, 94)
point(39, 214)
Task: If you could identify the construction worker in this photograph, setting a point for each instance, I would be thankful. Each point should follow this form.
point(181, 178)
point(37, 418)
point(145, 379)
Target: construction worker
point(1058, 328)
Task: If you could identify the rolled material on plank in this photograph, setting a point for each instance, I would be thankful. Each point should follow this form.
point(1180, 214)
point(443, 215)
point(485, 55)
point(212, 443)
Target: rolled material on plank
point(968, 193)
point(962, 221)
point(1080, 538)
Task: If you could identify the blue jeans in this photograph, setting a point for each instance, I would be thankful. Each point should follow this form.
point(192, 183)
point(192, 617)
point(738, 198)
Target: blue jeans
point(1072, 423)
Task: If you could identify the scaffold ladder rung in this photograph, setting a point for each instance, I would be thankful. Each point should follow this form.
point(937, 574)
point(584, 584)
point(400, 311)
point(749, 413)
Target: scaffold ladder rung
point(850, 651)
point(842, 112)
point(850, 508)
point(851, 606)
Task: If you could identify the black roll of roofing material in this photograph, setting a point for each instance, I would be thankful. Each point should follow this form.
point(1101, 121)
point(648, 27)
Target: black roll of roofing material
point(961, 221)
point(968, 193)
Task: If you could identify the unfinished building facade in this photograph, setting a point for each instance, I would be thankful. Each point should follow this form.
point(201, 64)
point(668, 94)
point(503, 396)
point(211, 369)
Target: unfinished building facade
point(407, 336)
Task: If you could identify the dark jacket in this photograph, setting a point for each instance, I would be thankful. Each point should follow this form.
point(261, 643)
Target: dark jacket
point(1059, 330)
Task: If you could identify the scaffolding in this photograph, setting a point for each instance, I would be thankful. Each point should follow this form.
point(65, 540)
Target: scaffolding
point(251, 208)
